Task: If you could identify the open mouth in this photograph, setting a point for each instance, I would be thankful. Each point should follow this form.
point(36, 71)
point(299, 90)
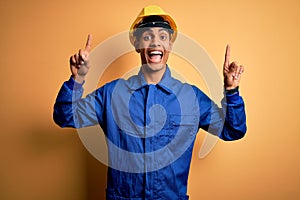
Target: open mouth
point(155, 55)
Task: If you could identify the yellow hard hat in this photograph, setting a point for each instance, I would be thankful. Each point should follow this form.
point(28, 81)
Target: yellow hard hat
point(150, 11)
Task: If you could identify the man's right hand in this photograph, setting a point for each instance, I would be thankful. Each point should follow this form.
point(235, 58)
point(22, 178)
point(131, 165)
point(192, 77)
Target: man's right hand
point(79, 63)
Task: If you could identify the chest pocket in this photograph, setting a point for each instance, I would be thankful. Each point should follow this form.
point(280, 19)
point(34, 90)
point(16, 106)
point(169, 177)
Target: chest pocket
point(188, 123)
point(183, 120)
point(179, 125)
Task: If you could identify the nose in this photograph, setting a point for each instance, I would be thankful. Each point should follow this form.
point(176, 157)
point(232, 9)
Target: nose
point(155, 42)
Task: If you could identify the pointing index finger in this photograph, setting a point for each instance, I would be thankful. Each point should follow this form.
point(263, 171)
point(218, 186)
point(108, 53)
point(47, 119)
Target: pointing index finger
point(227, 56)
point(88, 43)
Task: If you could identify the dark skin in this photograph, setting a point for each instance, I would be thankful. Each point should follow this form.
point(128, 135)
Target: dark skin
point(158, 40)
point(232, 72)
point(79, 63)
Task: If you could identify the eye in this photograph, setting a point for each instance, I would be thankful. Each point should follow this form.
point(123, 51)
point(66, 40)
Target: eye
point(163, 37)
point(147, 37)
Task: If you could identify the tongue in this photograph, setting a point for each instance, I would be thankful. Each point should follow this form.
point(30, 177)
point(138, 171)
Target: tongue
point(155, 58)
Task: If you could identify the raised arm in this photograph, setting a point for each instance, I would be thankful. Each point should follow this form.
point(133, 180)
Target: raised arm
point(70, 109)
point(228, 122)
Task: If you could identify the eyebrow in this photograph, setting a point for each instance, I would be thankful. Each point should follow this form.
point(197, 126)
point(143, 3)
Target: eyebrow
point(160, 30)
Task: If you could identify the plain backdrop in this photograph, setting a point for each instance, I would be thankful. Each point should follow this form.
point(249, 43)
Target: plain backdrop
point(39, 160)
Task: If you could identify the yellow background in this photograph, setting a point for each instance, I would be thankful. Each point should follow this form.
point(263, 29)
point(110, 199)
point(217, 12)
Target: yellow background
point(38, 160)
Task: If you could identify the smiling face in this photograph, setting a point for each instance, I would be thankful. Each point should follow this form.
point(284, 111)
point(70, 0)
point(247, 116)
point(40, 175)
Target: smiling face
point(154, 45)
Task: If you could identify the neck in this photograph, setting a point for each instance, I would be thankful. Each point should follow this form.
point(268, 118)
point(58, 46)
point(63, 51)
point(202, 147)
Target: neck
point(153, 76)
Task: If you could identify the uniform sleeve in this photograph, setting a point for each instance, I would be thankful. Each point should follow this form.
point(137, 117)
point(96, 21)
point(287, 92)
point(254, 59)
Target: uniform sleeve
point(227, 122)
point(71, 110)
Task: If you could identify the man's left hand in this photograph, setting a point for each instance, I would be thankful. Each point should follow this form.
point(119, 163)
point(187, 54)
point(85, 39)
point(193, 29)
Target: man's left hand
point(232, 72)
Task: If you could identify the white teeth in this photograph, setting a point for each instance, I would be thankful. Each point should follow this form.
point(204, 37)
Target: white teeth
point(155, 52)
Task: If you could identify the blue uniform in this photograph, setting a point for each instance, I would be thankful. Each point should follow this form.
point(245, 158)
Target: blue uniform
point(150, 130)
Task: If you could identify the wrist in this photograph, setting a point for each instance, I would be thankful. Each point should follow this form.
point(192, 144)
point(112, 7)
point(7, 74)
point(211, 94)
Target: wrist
point(79, 79)
point(231, 90)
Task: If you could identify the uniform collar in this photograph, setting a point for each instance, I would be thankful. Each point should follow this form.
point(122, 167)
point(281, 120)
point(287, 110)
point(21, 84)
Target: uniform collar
point(138, 81)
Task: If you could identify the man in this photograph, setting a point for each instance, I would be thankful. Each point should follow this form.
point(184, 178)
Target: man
point(151, 119)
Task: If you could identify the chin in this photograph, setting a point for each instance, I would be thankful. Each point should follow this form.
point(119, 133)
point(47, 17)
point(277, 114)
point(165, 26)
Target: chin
point(155, 67)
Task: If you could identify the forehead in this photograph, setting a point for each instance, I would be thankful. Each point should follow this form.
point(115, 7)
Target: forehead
point(155, 30)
